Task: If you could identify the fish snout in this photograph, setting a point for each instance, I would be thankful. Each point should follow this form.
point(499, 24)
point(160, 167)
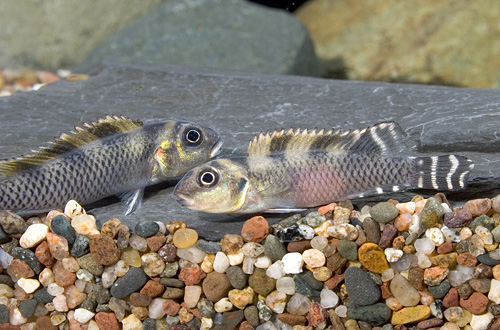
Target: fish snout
point(217, 148)
point(183, 200)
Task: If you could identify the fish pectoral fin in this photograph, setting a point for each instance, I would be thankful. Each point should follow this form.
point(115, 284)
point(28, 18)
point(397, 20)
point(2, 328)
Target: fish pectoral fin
point(284, 210)
point(133, 198)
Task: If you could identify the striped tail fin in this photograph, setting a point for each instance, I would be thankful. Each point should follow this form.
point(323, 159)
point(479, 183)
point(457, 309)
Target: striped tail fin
point(448, 172)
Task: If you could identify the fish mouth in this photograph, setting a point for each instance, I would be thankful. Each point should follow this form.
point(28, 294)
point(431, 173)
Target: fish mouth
point(184, 200)
point(217, 148)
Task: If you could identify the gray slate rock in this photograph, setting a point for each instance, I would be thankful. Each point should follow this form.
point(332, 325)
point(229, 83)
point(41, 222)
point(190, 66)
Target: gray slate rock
point(230, 34)
point(62, 33)
point(361, 288)
point(384, 212)
point(28, 257)
point(129, 283)
point(240, 105)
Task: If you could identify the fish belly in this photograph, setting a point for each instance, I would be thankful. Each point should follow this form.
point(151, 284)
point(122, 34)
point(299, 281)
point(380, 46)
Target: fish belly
point(324, 179)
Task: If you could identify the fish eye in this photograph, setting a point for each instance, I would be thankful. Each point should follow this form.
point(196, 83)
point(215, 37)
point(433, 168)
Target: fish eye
point(193, 137)
point(208, 178)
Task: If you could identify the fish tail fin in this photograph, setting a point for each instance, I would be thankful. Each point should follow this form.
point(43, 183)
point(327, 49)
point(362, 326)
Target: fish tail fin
point(449, 172)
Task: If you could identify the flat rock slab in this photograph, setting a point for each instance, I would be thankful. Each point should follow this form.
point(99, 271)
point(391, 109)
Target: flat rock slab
point(240, 105)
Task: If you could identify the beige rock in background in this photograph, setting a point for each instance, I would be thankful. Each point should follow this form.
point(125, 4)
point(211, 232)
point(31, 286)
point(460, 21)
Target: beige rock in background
point(450, 42)
point(55, 34)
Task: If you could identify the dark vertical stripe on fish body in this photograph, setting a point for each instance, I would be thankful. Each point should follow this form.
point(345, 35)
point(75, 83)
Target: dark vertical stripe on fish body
point(102, 168)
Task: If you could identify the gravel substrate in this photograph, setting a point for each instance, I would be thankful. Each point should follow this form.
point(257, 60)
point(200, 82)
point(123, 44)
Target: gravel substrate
point(411, 265)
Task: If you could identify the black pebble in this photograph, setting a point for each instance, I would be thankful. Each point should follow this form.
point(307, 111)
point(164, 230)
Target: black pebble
point(146, 228)
point(42, 296)
point(4, 314)
point(28, 257)
point(27, 307)
point(61, 226)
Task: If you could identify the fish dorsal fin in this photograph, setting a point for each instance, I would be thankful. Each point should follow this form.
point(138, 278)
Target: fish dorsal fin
point(381, 138)
point(67, 142)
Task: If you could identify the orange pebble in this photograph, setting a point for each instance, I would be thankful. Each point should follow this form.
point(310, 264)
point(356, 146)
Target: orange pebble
point(326, 208)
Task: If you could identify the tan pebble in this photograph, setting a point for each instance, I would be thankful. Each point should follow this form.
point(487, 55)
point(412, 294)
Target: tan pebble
point(207, 265)
point(173, 226)
point(77, 77)
point(496, 272)
point(393, 304)
point(322, 230)
point(131, 322)
point(411, 314)
point(313, 258)
point(131, 257)
point(184, 238)
point(322, 273)
point(241, 298)
point(408, 207)
point(372, 257)
point(341, 215)
point(479, 206)
point(84, 224)
point(185, 315)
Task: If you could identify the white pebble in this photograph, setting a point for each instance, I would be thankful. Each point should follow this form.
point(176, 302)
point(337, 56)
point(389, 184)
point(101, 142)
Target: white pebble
point(446, 208)
point(60, 303)
point(252, 249)
point(306, 231)
point(393, 254)
point(108, 277)
point(460, 275)
point(236, 258)
point(424, 245)
point(155, 309)
point(34, 235)
point(206, 323)
point(276, 270)
point(223, 305)
point(16, 318)
point(481, 322)
point(423, 260)
point(221, 262)
point(192, 295)
point(343, 231)
point(248, 265)
point(435, 235)
point(263, 262)
point(465, 233)
point(83, 315)
point(53, 289)
point(192, 254)
point(388, 275)
point(93, 325)
point(328, 298)
point(46, 277)
point(415, 225)
point(292, 263)
point(341, 311)
point(494, 294)
point(286, 285)
point(485, 235)
point(450, 235)
point(72, 209)
point(29, 285)
point(319, 243)
point(162, 229)
point(131, 322)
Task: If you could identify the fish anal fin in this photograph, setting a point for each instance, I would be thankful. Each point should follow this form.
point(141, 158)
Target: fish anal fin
point(66, 142)
point(133, 198)
point(381, 138)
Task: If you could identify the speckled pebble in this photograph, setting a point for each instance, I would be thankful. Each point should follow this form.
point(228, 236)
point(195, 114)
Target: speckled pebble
point(103, 248)
point(131, 282)
point(360, 286)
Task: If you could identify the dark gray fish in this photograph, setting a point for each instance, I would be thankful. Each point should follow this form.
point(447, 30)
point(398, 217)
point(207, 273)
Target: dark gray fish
point(297, 169)
point(115, 155)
